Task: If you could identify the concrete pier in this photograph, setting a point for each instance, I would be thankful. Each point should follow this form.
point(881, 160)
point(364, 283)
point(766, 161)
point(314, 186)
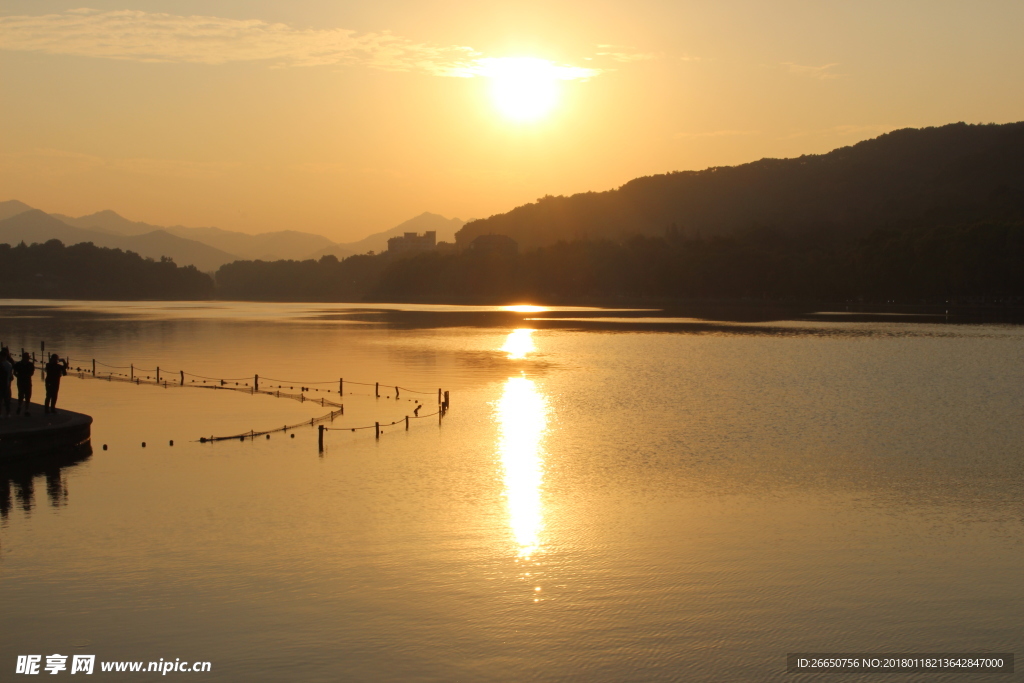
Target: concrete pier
point(42, 433)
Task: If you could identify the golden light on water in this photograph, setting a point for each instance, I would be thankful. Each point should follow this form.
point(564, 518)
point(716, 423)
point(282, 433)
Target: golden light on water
point(524, 308)
point(522, 413)
point(519, 343)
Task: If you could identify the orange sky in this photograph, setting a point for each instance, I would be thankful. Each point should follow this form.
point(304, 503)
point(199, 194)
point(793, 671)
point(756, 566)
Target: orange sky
point(348, 118)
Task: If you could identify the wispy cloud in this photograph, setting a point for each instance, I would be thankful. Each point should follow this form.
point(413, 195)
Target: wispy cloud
point(620, 53)
point(159, 37)
point(56, 162)
point(863, 131)
point(716, 134)
point(822, 73)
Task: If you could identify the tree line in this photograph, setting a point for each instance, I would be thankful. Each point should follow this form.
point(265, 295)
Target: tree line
point(980, 262)
point(84, 271)
point(927, 264)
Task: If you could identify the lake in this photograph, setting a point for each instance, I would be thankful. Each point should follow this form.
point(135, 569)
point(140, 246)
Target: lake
point(613, 495)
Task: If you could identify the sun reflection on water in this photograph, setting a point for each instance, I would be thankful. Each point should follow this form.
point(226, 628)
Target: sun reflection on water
point(525, 308)
point(522, 420)
point(519, 343)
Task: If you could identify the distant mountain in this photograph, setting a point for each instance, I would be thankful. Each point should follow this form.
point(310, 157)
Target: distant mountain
point(267, 246)
point(35, 226)
point(284, 244)
point(378, 242)
point(12, 208)
point(956, 174)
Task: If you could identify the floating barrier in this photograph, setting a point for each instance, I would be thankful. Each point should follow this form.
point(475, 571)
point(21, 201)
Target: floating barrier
point(282, 389)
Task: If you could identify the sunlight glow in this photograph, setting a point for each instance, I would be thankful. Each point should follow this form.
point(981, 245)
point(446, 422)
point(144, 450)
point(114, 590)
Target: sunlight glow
point(522, 421)
point(524, 308)
point(527, 88)
point(518, 344)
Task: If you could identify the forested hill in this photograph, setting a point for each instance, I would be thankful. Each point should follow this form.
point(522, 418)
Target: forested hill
point(84, 271)
point(952, 175)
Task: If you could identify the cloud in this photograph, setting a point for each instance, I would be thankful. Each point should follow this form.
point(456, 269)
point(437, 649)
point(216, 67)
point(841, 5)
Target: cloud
point(716, 134)
point(620, 53)
point(859, 130)
point(498, 67)
point(158, 37)
point(821, 73)
point(56, 162)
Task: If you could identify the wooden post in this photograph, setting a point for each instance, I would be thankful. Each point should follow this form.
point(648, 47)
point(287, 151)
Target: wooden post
point(321, 439)
point(438, 397)
point(131, 375)
point(158, 374)
point(182, 377)
point(376, 389)
point(256, 383)
point(396, 393)
point(377, 427)
point(341, 386)
point(446, 400)
point(42, 347)
point(406, 423)
point(93, 367)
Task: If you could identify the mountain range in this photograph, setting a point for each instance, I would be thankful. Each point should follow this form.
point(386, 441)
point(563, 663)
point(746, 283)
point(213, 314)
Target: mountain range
point(951, 175)
point(205, 248)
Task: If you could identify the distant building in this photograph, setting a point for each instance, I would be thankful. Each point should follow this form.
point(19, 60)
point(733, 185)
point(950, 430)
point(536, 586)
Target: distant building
point(410, 242)
point(491, 244)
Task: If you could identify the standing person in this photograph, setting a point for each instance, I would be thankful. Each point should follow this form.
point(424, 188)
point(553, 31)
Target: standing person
point(6, 377)
point(55, 369)
point(23, 371)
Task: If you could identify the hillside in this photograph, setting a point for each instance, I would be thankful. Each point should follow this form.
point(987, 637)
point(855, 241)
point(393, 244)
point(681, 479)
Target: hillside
point(378, 242)
point(84, 271)
point(35, 226)
point(955, 174)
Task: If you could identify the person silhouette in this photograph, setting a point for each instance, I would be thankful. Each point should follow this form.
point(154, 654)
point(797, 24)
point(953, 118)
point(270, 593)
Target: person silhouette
point(23, 371)
point(6, 377)
point(55, 369)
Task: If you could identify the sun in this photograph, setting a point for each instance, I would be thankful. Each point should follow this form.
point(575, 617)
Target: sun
point(523, 88)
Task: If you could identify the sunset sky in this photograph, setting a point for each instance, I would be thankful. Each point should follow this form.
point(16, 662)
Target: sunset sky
point(346, 118)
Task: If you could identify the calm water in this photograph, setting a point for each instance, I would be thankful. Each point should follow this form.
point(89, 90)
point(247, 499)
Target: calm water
point(608, 499)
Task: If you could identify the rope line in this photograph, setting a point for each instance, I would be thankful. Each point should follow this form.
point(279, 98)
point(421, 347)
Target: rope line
point(221, 383)
point(252, 434)
point(169, 372)
point(389, 424)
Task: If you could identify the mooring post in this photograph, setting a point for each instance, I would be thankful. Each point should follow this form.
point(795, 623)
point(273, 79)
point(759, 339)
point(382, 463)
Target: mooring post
point(438, 397)
point(158, 374)
point(321, 438)
point(93, 367)
point(131, 375)
point(376, 389)
point(341, 386)
point(406, 423)
point(396, 393)
point(446, 401)
point(42, 347)
point(256, 383)
point(182, 372)
point(377, 427)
